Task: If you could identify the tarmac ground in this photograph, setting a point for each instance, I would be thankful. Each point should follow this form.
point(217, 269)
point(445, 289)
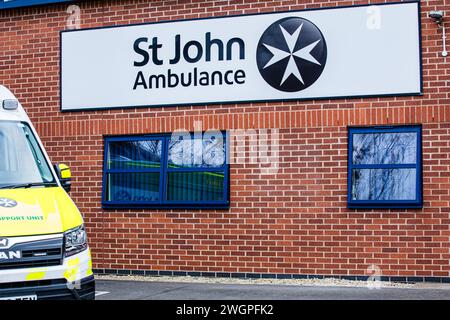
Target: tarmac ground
point(154, 290)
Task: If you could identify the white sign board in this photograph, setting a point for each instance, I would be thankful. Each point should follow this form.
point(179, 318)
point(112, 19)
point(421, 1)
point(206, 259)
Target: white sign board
point(346, 52)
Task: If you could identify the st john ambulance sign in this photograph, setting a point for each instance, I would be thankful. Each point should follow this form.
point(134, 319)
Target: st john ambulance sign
point(328, 53)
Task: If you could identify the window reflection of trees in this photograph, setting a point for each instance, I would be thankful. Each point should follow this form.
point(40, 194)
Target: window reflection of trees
point(135, 154)
point(384, 184)
point(384, 148)
point(388, 183)
point(187, 152)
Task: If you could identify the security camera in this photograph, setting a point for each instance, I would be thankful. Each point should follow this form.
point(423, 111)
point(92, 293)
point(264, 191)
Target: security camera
point(437, 16)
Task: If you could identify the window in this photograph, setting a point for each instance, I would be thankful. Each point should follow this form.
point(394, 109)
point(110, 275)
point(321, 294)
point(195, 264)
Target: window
point(178, 170)
point(385, 167)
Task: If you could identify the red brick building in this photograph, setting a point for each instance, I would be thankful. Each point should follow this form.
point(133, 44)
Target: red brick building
point(294, 222)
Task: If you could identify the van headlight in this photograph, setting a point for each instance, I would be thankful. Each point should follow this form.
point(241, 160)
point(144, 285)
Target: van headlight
point(75, 241)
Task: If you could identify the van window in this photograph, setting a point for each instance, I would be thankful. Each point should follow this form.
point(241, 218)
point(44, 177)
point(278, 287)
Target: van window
point(21, 159)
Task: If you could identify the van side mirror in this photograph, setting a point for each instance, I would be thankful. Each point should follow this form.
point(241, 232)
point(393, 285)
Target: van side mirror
point(64, 175)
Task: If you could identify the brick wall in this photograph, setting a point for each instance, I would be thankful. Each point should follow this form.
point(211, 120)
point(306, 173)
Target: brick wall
point(292, 222)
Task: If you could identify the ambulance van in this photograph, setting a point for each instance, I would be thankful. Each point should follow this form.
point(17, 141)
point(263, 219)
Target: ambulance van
point(43, 247)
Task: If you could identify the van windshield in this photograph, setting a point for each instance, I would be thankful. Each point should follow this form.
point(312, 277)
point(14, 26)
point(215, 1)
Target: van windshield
point(22, 163)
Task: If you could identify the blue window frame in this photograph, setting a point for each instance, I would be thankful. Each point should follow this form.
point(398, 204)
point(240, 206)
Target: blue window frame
point(385, 167)
point(181, 170)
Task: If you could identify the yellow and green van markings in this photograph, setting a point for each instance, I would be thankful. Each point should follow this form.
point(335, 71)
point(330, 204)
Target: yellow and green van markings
point(38, 274)
point(73, 269)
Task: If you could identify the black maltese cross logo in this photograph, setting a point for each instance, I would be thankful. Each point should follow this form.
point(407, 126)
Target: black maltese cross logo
point(291, 54)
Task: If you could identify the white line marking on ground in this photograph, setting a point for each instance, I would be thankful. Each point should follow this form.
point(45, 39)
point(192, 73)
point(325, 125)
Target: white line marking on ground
point(101, 293)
